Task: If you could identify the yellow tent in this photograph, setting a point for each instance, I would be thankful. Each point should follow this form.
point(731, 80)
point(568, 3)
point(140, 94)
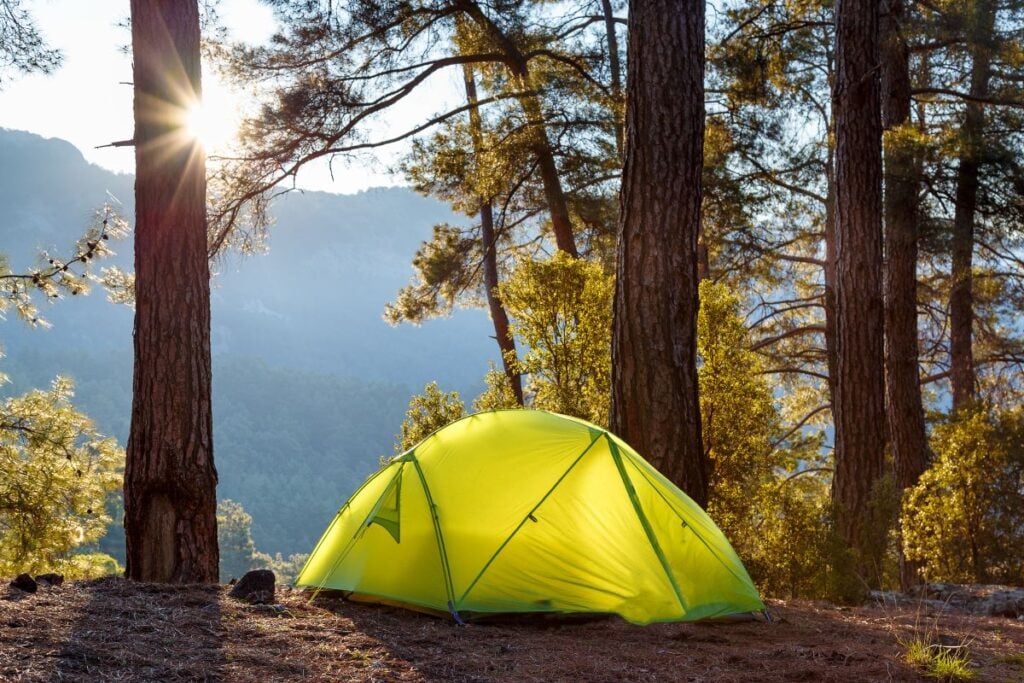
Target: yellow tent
point(529, 511)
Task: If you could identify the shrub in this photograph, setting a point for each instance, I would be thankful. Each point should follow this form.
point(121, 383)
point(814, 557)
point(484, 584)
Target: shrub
point(963, 520)
point(55, 473)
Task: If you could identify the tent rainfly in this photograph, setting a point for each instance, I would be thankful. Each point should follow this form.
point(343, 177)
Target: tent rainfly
point(529, 511)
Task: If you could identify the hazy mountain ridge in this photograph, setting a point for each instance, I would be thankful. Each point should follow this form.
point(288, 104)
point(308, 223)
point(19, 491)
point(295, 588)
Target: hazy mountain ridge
point(310, 383)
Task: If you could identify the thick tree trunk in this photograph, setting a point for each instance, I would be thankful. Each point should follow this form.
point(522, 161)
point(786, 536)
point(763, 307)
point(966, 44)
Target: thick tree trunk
point(612, 40)
point(859, 407)
point(654, 402)
point(831, 335)
point(502, 333)
point(170, 480)
point(902, 180)
point(961, 297)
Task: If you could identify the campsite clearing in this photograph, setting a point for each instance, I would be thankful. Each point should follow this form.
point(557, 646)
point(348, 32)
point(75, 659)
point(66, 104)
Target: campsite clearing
point(111, 629)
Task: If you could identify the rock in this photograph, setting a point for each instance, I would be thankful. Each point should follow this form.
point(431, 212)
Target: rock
point(50, 579)
point(1004, 603)
point(256, 587)
point(26, 583)
point(988, 600)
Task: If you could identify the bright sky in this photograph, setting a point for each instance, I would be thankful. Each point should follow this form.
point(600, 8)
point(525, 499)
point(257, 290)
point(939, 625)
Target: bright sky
point(86, 103)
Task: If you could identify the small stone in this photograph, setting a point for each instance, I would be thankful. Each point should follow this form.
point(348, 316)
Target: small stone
point(272, 610)
point(26, 583)
point(50, 579)
point(256, 587)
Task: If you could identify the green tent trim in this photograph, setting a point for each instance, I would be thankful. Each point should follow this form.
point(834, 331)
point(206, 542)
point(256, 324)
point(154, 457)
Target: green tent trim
point(529, 511)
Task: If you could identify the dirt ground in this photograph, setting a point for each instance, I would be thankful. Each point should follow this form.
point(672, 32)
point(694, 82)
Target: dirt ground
point(112, 630)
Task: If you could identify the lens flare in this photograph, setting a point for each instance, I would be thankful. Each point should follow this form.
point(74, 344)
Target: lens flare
point(210, 125)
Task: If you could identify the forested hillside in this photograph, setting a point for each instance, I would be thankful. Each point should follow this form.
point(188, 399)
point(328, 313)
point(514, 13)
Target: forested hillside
point(310, 382)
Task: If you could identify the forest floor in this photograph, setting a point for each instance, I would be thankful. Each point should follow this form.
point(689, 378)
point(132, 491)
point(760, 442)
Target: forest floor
point(112, 630)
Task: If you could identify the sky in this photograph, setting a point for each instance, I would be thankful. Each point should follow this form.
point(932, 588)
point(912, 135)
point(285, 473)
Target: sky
point(87, 103)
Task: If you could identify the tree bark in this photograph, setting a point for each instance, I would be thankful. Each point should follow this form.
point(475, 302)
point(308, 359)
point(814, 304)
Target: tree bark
point(859, 409)
point(902, 181)
point(502, 333)
point(831, 333)
point(961, 297)
point(829, 269)
point(654, 403)
point(170, 479)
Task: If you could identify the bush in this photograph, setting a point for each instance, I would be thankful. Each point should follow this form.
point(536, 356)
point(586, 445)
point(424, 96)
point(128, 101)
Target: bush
point(963, 520)
point(561, 312)
point(427, 413)
point(55, 473)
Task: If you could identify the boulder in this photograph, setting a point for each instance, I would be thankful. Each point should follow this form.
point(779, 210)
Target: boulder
point(50, 579)
point(26, 583)
point(256, 587)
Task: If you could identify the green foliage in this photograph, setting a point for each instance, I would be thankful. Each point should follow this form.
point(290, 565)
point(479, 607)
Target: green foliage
point(234, 536)
point(951, 665)
point(946, 663)
point(789, 550)
point(89, 566)
point(427, 413)
point(238, 553)
point(444, 269)
point(739, 421)
point(561, 312)
point(963, 519)
point(775, 514)
point(498, 395)
point(55, 473)
point(286, 569)
point(57, 276)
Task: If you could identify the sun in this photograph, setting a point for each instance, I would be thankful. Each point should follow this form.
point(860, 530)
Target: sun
point(215, 119)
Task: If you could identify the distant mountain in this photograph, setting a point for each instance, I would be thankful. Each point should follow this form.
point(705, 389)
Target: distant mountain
point(310, 383)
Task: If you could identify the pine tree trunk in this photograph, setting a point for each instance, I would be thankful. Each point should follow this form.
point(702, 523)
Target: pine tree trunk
point(540, 144)
point(859, 408)
point(831, 334)
point(961, 297)
point(829, 274)
point(654, 402)
point(170, 479)
point(902, 180)
point(612, 42)
point(502, 333)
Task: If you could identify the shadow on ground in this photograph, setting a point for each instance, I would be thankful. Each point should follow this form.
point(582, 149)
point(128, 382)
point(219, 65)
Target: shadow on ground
point(144, 632)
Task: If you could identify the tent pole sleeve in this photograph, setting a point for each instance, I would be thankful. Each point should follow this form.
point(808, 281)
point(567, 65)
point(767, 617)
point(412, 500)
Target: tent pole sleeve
point(442, 551)
point(700, 537)
point(355, 535)
point(524, 520)
point(335, 521)
point(644, 522)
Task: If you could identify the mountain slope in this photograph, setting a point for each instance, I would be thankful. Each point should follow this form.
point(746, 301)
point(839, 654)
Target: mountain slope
point(310, 383)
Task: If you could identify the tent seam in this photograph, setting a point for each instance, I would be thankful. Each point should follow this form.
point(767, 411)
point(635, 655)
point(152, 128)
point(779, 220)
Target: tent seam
point(355, 534)
point(522, 523)
point(645, 523)
point(438, 536)
point(700, 537)
point(334, 521)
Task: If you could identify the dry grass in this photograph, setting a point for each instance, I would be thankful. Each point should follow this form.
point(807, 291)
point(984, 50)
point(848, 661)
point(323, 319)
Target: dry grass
point(112, 630)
